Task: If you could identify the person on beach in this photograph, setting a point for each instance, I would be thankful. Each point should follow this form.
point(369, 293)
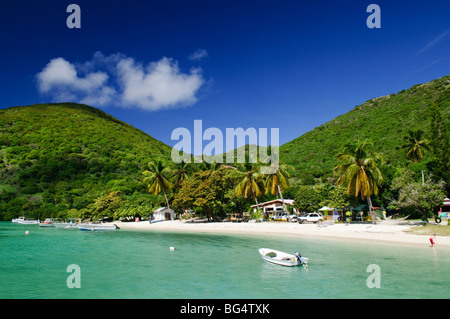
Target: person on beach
point(433, 240)
point(348, 217)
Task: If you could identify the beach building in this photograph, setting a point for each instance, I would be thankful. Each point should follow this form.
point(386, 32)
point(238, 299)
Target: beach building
point(446, 202)
point(273, 207)
point(162, 213)
point(445, 208)
point(329, 213)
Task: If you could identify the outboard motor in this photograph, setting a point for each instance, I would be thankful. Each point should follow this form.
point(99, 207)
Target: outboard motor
point(299, 257)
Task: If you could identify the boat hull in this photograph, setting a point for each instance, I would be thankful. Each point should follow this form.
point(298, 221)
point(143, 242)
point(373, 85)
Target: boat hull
point(66, 225)
point(29, 222)
point(48, 222)
point(46, 225)
point(94, 227)
point(277, 257)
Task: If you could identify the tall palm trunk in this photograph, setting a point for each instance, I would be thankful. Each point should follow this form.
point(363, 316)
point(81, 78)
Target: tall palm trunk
point(372, 214)
point(167, 202)
point(256, 200)
point(282, 199)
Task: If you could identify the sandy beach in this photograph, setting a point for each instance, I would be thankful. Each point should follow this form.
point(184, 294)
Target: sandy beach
point(384, 231)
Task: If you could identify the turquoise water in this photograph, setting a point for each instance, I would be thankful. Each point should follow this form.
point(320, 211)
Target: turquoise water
point(139, 264)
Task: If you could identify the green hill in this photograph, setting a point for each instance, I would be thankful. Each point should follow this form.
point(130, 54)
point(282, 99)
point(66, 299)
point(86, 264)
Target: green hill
point(383, 121)
point(70, 159)
point(60, 157)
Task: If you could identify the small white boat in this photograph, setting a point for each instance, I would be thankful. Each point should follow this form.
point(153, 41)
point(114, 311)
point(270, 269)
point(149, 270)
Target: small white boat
point(17, 220)
point(97, 227)
point(28, 221)
point(68, 225)
point(52, 222)
point(281, 258)
point(72, 224)
point(48, 222)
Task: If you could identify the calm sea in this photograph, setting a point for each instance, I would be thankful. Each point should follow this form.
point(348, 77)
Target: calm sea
point(139, 264)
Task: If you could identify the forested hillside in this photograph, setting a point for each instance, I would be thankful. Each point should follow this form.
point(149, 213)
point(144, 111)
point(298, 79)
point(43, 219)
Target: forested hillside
point(383, 121)
point(73, 160)
point(60, 157)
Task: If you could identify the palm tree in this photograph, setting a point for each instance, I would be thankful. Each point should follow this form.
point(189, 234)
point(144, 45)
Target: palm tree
point(156, 179)
point(250, 184)
point(416, 144)
point(212, 167)
point(359, 170)
point(179, 174)
point(278, 181)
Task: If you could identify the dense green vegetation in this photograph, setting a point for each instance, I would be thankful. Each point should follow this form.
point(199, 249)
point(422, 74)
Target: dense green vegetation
point(59, 159)
point(72, 160)
point(360, 171)
point(408, 130)
point(384, 121)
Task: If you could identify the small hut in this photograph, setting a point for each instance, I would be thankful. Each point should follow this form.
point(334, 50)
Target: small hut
point(328, 213)
point(161, 214)
point(445, 208)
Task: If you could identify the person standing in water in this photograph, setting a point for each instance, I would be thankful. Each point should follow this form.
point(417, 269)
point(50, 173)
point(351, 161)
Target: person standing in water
point(433, 240)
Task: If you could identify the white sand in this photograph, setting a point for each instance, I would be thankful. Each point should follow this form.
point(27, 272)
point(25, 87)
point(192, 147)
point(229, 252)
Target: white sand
point(383, 231)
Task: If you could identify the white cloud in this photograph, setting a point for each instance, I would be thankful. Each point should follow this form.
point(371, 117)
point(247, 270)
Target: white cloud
point(120, 80)
point(57, 72)
point(159, 85)
point(198, 55)
point(60, 80)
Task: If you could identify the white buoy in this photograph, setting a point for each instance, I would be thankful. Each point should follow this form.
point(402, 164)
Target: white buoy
point(27, 232)
point(172, 248)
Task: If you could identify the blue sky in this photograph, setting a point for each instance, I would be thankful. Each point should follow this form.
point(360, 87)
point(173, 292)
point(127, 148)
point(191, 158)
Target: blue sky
point(160, 65)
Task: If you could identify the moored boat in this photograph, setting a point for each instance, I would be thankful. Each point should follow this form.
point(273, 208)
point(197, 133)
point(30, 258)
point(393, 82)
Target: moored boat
point(281, 258)
point(68, 226)
point(48, 222)
point(28, 221)
point(17, 220)
point(71, 224)
point(97, 227)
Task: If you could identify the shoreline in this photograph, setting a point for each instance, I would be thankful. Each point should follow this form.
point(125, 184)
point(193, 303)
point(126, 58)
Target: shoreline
point(381, 232)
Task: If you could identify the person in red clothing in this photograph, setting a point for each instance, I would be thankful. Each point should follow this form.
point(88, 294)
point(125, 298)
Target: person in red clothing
point(433, 240)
